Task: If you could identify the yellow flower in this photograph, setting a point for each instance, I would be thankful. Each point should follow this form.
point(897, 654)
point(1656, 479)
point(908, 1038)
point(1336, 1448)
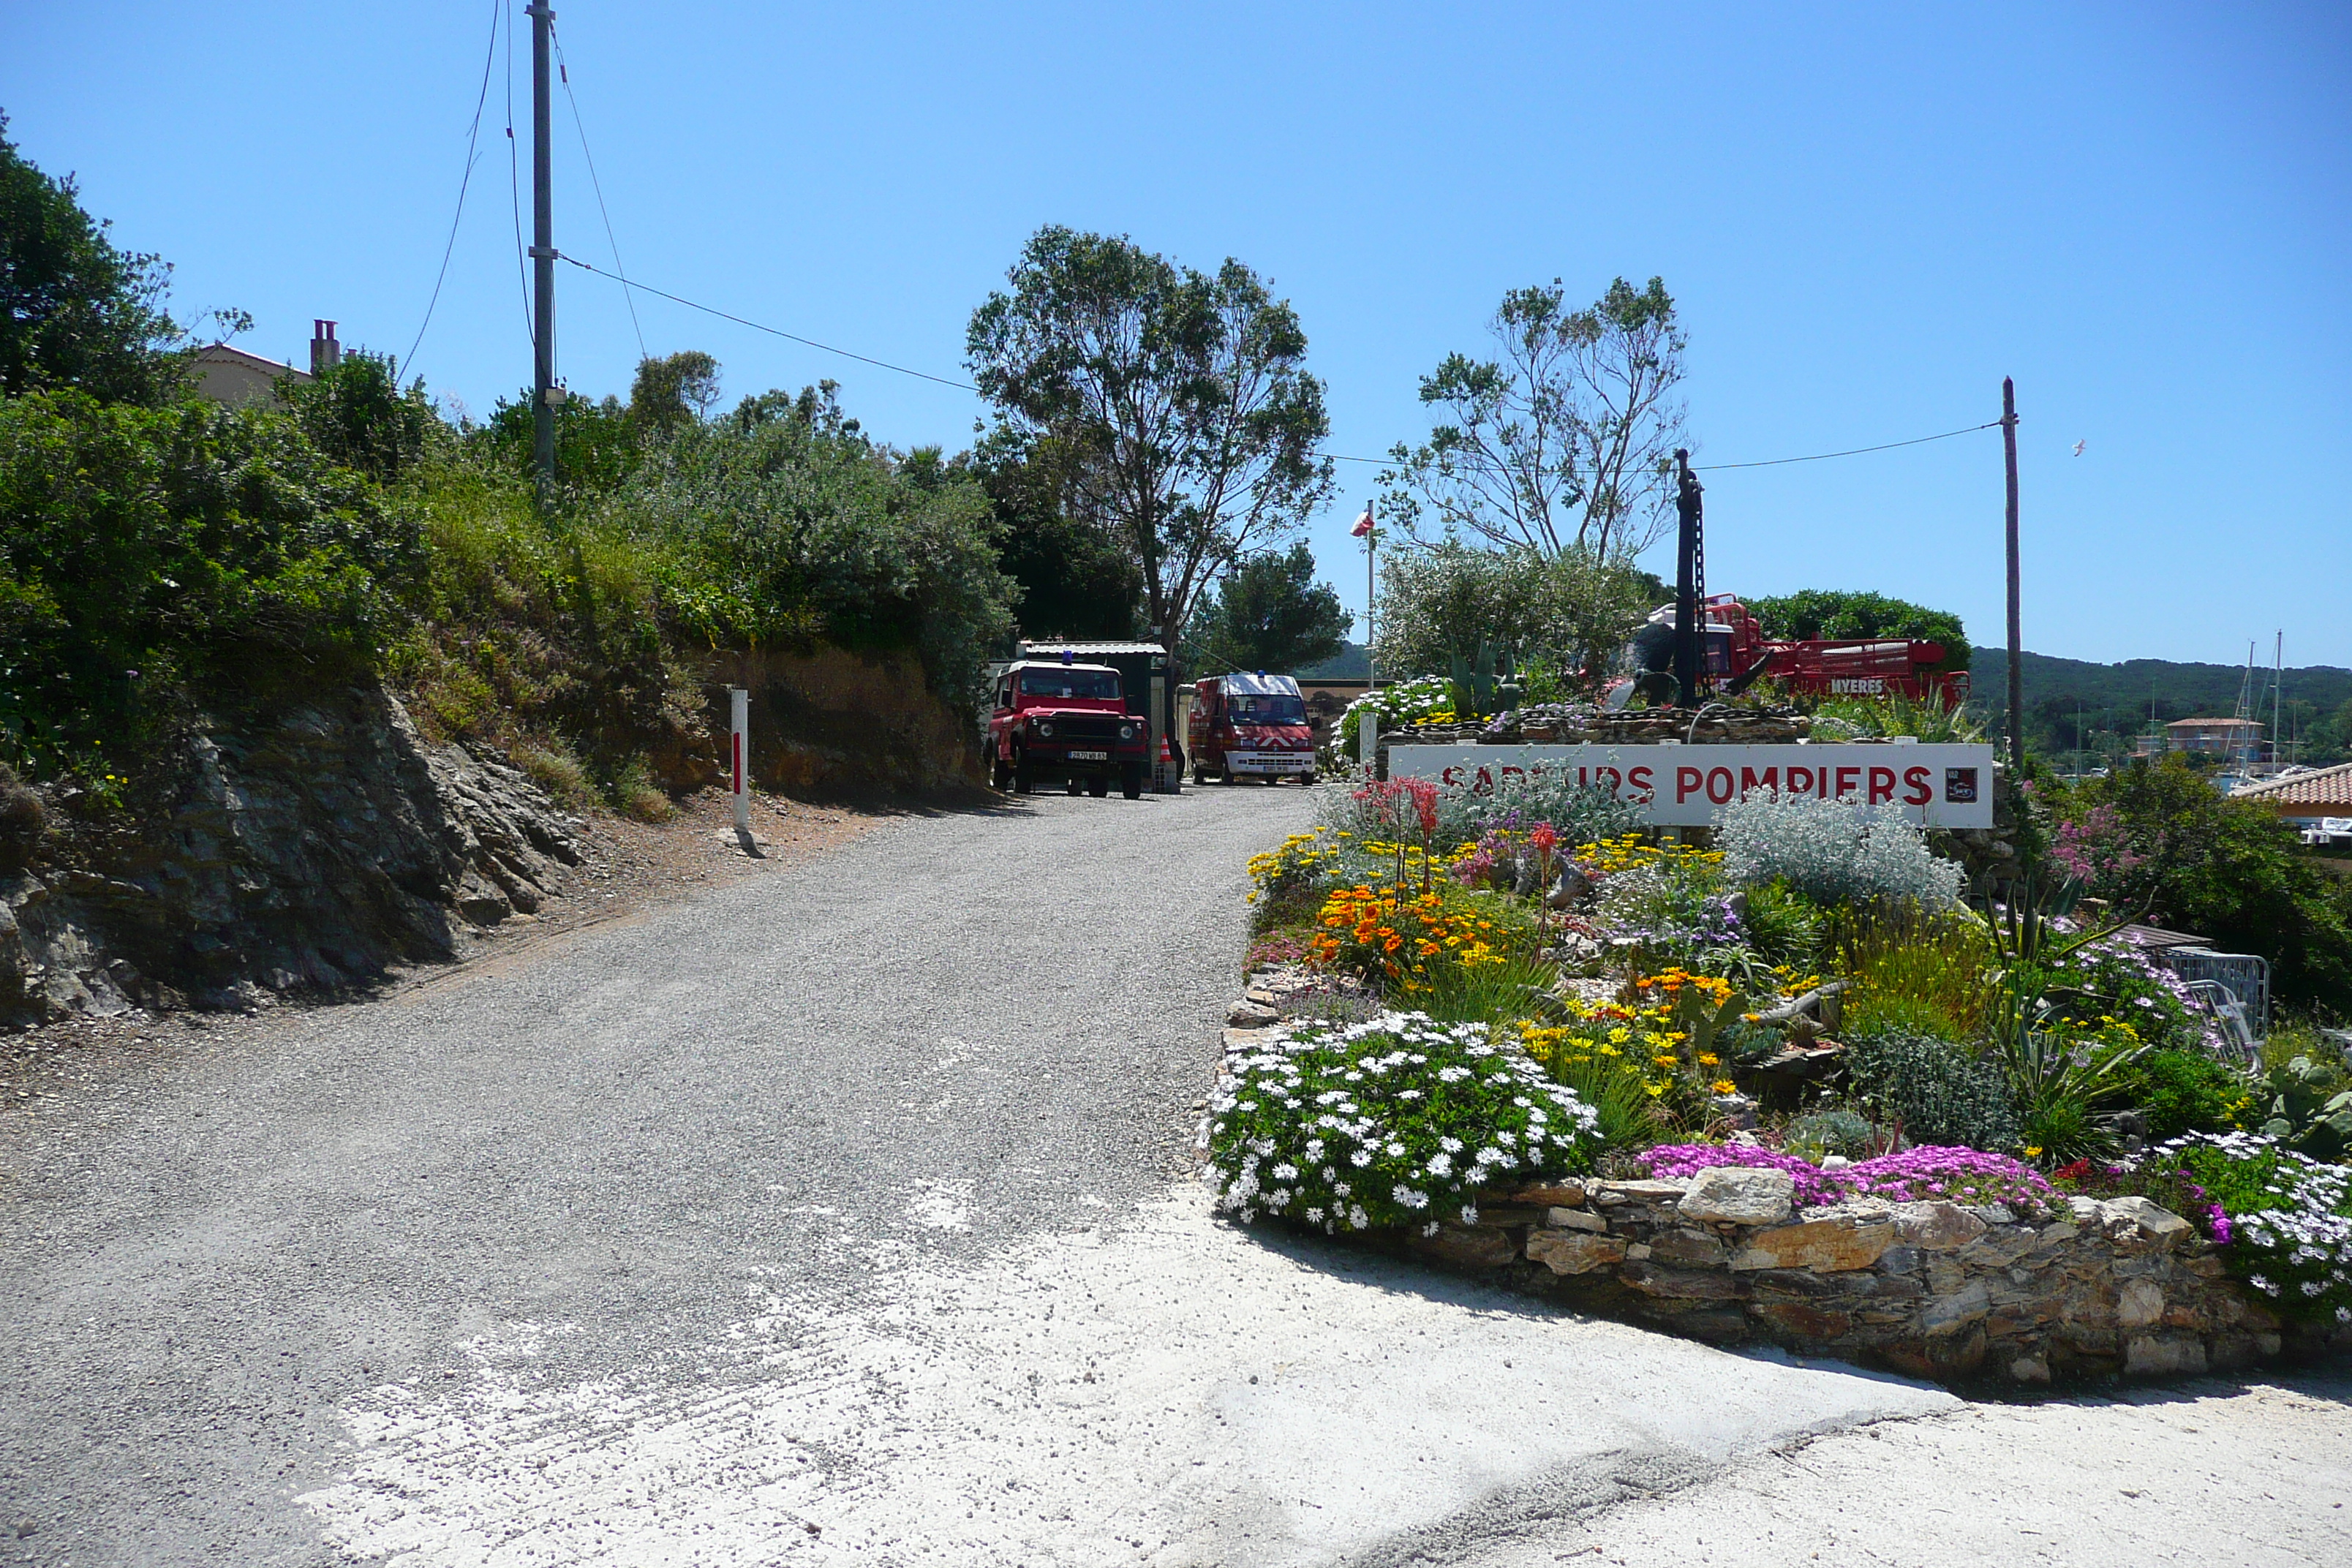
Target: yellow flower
point(2033, 1150)
point(1724, 1086)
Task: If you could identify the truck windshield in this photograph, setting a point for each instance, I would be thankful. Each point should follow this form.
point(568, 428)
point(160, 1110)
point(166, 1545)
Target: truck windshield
point(1100, 685)
point(1258, 707)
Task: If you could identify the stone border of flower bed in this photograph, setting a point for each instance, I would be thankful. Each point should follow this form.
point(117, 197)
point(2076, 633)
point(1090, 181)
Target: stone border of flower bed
point(1936, 1290)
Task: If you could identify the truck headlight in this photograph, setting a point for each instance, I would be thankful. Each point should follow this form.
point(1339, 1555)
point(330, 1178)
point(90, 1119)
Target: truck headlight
point(1043, 727)
point(1127, 731)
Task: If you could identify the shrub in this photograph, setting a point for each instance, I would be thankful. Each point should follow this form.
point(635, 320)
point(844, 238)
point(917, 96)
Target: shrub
point(1397, 1120)
point(1833, 852)
point(1834, 1131)
point(1939, 1092)
point(2188, 1091)
point(1929, 974)
point(2289, 1217)
point(1516, 803)
point(1783, 925)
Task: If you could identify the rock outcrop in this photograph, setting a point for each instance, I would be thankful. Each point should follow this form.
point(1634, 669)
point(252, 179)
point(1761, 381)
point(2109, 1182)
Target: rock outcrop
point(307, 847)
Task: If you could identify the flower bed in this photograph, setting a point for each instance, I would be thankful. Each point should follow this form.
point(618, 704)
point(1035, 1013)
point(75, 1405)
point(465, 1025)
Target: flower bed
point(1811, 1002)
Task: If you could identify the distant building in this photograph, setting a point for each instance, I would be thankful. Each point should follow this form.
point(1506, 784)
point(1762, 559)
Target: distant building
point(2214, 737)
point(2305, 798)
point(234, 378)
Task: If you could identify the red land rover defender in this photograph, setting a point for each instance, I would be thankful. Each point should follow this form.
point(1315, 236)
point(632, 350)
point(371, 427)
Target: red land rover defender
point(1067, 722)
point(1250, 726)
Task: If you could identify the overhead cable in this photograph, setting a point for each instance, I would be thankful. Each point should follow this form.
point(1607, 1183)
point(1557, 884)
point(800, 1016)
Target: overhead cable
point(473, 133)
point(620, 269)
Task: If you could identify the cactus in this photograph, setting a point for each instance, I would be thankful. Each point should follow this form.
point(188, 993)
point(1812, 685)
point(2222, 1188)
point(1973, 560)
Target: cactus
point(1473, 681)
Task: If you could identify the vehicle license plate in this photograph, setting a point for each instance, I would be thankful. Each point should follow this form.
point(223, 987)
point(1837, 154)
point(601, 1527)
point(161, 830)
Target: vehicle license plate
point(1089, 756)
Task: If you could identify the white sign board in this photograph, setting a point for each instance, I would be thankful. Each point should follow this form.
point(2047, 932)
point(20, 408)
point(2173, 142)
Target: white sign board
point(1686, 786)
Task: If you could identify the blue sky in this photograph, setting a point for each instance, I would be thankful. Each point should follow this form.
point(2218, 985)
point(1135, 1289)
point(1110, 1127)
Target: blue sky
point(1869, 215)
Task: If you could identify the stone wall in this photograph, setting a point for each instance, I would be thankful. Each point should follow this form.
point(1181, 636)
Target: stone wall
point(299, 845)
point(1933, 1289)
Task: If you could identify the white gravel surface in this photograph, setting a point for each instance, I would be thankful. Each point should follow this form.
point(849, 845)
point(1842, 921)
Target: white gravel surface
point(840, 1215)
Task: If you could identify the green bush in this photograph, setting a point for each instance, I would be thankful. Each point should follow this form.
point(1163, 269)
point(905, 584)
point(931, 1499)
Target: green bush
point(2289, 1217)
point(2187, 1091)
point(1783, 925)
point(1938, 1091)
point(140, 547)
point(1833, 1131)
point(1397, 1121)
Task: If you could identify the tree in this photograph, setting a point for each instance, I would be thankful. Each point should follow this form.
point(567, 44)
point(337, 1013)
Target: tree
point(1269, 614)
point(1076, 579)
point(1828, 613)
point(1570, 612)
point(1563, 443)
point(357, 415)
point(1174, 401)
point(667, 393)
point(74, 310)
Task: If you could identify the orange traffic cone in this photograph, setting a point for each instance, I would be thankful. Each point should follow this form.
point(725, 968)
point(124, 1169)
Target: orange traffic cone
point(1169, 783)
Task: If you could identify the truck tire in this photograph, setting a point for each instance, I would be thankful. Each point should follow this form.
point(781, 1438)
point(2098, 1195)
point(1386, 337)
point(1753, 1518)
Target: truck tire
point(1000, 773)
point(1072, 783)
point(1307, 780)
point(1098, 785)
point(1131, 781)
point(1023, 781)
point(1199, 776)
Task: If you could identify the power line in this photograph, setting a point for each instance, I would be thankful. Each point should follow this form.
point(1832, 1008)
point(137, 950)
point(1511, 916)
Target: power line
point(772, 332)
point(563, 69)
point(1856, 452)
point(1336, 456)
point(473, 133)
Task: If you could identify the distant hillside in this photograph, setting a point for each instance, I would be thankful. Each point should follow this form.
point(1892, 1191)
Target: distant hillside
point(2117, 701)
point(1353, 662)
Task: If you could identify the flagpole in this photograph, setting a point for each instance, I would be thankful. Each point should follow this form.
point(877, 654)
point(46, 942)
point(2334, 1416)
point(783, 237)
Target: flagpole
point(1370, 534)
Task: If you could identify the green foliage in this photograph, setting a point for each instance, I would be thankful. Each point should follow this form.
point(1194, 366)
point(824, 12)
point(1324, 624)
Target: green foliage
point(2228, 869)
point(357, 416)
point(2307, 1104)
point(1938, 1091)
point(1075, 577)
point(1833, 1131)
point(1831, 614)
point(1625, 1114)
point(1179, 398)
point(1269, 614)
point(597, 445)
point(2188, 1091)
point(670, 394)
point(783, 524)
point(1895, 714)
point(2074, 705)
point(2291, 1217)
point(1563, 615)
point(75, 312)
point(1783, 925)
point(139, 544)
point(1561, 444)
point(1922, 973)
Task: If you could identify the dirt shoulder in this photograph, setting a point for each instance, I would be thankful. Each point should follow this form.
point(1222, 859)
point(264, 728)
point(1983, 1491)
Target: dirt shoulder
point(627, 866)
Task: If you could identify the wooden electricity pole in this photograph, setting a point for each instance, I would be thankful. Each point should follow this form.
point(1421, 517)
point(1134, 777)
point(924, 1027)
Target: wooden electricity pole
point(2016, 633)
point(542, 255)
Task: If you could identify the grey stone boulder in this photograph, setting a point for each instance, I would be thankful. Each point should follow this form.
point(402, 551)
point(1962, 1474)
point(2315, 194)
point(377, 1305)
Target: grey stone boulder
point(1739, 1195)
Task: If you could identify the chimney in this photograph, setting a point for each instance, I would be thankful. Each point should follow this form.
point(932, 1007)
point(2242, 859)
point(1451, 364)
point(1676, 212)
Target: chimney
point(326, 354)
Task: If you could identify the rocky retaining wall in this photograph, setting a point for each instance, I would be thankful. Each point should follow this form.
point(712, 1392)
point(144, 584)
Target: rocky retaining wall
point(304, 846)
point(1933, 1289)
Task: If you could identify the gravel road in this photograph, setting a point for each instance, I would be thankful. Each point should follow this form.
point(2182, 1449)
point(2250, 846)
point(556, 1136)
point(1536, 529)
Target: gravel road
point(840, 1215)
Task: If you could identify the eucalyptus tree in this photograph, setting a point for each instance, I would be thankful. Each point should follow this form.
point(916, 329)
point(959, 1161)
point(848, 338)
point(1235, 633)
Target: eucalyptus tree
point(1175, 402)
point(1563, 442)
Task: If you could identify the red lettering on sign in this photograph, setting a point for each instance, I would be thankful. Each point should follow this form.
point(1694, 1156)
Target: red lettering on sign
point(1616, 779)
point(1452, 776)
point(1847, 779)
point(1720, 796)
point(1921, 791)
point(1685, 781)
point(1881, 786)
point(1641, 779)
point(1750, 779)
point(1486, 782)
point(1801, 779)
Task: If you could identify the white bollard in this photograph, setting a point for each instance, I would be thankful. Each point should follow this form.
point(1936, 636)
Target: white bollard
point(1368, 739)
point(738, 754)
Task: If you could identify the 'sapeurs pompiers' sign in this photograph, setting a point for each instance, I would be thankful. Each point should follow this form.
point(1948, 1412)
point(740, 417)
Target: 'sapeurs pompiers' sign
point(1686, 786)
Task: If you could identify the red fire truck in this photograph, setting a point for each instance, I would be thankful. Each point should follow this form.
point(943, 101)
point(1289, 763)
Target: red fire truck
point(1738, 653)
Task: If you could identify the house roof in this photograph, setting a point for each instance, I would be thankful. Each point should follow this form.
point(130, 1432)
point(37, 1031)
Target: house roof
point(228, 353)
point(1031, 647)
point(2322, 788)
point(2214, 723)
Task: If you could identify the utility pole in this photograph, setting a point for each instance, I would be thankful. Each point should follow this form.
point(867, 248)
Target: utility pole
point(2016, 628)
point(542, 257)
point(1687, 581)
